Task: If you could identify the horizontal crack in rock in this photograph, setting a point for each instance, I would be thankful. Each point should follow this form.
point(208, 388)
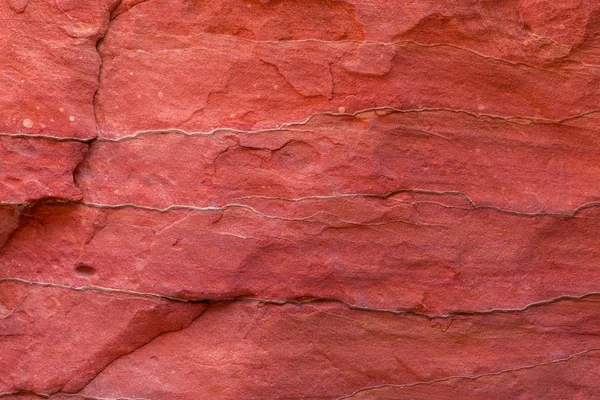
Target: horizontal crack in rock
point(470, 205)
point(520, 120)
point(276, 302)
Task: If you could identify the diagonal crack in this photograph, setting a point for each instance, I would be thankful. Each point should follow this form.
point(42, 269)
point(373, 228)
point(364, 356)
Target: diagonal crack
point(470, 377)
point(116, 12)
point(18, 215)
point(141, 346)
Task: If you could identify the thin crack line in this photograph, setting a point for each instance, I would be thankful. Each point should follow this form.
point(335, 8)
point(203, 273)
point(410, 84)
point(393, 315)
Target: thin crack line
point(102, 289)
point(397, 43)
point(315, 300)
point(308, 219)
point(386, 109)
point(470, 377)
point(142, 345)
point(72, 395)
point(450, 315)
point(48, 137)
point(520, 120)
point(470, 203)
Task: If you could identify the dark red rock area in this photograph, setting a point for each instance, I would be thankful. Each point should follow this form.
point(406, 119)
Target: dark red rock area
point(299, 199)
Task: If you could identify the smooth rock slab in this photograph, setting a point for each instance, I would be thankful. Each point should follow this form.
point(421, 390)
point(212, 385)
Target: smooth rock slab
point(169, 65)
point(56, 339)
point(510, 164)
point(326, 351)
point(569, 378)
point(431, 254)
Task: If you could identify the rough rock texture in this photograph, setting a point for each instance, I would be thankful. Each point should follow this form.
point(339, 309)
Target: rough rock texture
point(55, 345)
point(299, 199)
point(35, 169)
point(50, 65)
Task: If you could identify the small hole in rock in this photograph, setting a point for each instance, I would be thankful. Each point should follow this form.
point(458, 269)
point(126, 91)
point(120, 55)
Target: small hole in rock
point(85, 270)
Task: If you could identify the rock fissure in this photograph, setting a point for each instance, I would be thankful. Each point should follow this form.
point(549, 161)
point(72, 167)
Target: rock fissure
point(519, 120)
point(470, 205)
point(148, 342)
point(277, 302)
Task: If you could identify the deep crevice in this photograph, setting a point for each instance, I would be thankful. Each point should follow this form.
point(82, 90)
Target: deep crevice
point(101, 66)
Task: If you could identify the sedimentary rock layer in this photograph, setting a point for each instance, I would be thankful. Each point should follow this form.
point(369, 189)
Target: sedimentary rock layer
point(281, 199)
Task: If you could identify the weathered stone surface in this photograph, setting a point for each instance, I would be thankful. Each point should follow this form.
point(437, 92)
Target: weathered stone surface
point(574, 377)
point(54, 339)
point(325, 351)
point(9, 222)
point(285, 199)
point(426, 253)
point(259, 73)
point(34, 169)
point(50, 66)
point(440, 151)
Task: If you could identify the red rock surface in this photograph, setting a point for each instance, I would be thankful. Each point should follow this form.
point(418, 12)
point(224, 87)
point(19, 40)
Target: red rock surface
point(284, 199)
point(50, 66)
point(334, 352)
point(53, 343)
point(35, 169)
point(435, 255)
point(263, 68)
point(367, 154)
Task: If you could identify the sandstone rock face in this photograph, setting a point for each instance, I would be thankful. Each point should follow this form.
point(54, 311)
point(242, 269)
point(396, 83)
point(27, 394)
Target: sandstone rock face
point(284, 199)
